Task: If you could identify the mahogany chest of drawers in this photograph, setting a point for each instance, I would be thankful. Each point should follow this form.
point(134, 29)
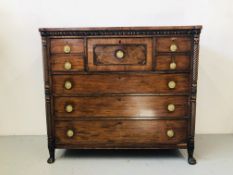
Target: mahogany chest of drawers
point(121, 87)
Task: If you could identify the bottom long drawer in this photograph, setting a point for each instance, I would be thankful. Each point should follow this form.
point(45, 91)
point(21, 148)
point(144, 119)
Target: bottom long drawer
point(120, 134)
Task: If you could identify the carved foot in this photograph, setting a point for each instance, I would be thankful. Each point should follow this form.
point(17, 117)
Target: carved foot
point(51, 154)
point(192, 160)
point(51, 160)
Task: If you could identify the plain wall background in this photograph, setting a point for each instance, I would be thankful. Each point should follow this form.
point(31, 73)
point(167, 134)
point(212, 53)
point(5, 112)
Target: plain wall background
point(22, 108)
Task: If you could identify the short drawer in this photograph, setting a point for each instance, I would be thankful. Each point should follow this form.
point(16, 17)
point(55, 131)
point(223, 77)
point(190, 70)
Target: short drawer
point(70, 62)
point(66, 46)
point(120, 54)
point(120, 83)
point(121, 106)
point(173, 44)
point(120, 134)
point(177, 62)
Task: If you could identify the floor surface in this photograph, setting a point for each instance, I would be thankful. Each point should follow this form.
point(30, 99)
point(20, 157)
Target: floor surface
point(27, 155)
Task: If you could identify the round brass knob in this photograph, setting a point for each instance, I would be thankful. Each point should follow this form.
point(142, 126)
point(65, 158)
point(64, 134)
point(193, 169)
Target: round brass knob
point(66, 49)
point(69, 108)
point(70, 133)
point(170, 133)
point(68, 85)
point(173, 47)
point(67, 65)
point(171, 84)
point(120, 54)
point(172, 65)
point(171, 107)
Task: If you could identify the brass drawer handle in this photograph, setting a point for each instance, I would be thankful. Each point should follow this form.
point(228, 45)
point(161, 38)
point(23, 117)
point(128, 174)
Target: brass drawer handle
point(66, 49)
point(172, 65)
point(173, 47)
point(67, 65)
point(171, 107)
point(120, 54)
point(170, 133)
point(70, 133)
point(68, 85)
point(171, 84)
point(69, 108)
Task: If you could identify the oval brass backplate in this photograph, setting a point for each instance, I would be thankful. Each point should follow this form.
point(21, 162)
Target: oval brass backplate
point(173, 47)
point(70, 133)
point(67, 65)
point(120, 54)
point(69, 108)
point(66, 49)
point(172, 65)
point(171, 107)
point(170, 133)
point(171, 84)
point(68, 85)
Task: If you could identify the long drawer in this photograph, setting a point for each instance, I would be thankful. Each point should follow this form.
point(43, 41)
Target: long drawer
point(120, 134)
point(120, 83)
point(121, 106)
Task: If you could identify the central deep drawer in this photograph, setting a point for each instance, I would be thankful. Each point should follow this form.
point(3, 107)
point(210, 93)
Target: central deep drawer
point(119, 54)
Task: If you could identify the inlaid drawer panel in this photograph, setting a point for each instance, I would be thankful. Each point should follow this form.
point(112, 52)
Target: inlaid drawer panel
point(120, 133)
point(67, 46)
point(119, 54)
point(173, 44)
point(177, 62)
point(60, 62)
point(120, 83)
point(122, 106)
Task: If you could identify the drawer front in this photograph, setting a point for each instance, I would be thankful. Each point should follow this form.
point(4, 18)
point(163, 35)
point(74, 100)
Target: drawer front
point(173, 62)
point(120, 83)
point(120, 134)
point(66, 46)
point(121, 106)
point(119, 54)
point(173, 44)
point(67, 62)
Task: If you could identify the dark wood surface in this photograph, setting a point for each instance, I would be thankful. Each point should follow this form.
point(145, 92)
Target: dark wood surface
point(182, 62)
point(122, 106)
point(121, 103)
point(120, 83)
point(163, 44)
point(120, 134)
point(76, 61)
point(138, 54)
point(76, 45)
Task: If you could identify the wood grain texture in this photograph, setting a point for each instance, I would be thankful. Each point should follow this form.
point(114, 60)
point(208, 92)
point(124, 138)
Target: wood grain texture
point(182, 62)
point(120, 83)
point(121, 134)
point(122, 106)
point(57, 45)
point(138, 54)
point(163, 44)
point(58, 61)
point(133, 54)
point(121, 103)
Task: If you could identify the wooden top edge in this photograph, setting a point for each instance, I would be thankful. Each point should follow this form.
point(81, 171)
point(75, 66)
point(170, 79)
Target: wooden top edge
point(198, 27)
